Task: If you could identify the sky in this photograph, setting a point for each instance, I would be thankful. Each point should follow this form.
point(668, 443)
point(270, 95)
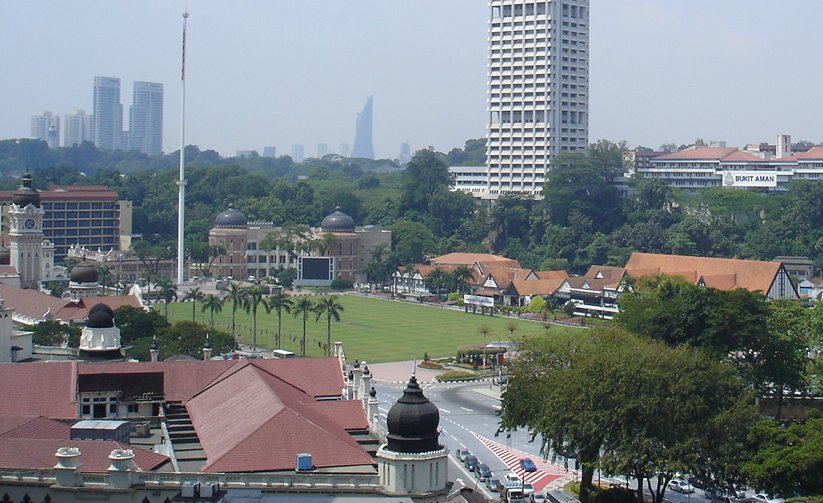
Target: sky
point(276, 72)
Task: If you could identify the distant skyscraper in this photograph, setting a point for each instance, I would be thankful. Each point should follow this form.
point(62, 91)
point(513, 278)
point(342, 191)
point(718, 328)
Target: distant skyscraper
point(363, 133)
point(297, 153)
point(344, 149)
point(46, 127)
point(322, 150)
point(405, 153)
point(146, 118)
point(269, 152)
point(77, 128)
point(538, 90)
point(107, 125)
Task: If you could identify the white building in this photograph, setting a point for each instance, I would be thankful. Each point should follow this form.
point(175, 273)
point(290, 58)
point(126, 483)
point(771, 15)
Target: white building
point(46, 127)
point(107, 128)
point(146, 118)
point(77, 128)
point(538, 90)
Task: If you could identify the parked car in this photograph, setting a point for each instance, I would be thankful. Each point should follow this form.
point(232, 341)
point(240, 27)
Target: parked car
point(482, 472)
point(471, 462)
point(493, 484)
point(681, 486)
point(462, 453)
point(527, 465)
point(528, 491)
point(765, 498)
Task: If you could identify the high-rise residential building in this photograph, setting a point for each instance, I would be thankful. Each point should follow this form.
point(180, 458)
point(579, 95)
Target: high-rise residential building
point(146, 118)
point(107, 125)
point(77, 128)
point(405, 153)
point(538, 90)
point(322, 150)
point(363, 133)
point(297, 153)
point(269, 151)
point(46, 127)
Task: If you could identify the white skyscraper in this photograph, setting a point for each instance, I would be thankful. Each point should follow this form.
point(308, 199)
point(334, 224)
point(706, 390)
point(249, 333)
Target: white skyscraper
point(107, 129)
point(146, 118)
point(77, 128)
point(538, 90)
point(297, 153)
point(46, 127)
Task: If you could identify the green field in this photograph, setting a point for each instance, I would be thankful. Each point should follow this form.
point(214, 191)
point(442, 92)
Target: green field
point(373, 330)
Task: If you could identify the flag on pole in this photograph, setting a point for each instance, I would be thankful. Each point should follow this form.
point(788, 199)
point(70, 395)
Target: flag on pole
point(183, 68)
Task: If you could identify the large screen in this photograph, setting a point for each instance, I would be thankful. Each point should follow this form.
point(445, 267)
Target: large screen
point(319, 268)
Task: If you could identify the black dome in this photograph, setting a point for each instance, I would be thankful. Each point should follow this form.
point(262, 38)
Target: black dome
point(5, 256)
point(231, 218)
point(413, 422)
point(337, 222)
point(25, 194)
point(84, 272)
point(100, 316)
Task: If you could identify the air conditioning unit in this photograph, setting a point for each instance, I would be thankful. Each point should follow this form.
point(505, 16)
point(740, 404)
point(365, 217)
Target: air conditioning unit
point(188, 489)
point(304, 462)
point(207, 490)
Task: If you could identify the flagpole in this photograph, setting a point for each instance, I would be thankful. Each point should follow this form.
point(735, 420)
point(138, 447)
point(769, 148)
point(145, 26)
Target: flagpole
point(181, 183)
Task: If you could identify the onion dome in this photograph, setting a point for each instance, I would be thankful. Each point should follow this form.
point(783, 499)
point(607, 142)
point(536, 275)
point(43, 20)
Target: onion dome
point(337, 222)
point(100, 316)
point(413, 422)
point(84, 272)
point(5, 255)
point(356, 364)
point(231, 218)
point(25, 194)
point(366, 370)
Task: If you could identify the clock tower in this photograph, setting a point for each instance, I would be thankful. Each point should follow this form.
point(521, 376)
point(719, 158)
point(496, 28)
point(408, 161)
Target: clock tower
point(26, 234)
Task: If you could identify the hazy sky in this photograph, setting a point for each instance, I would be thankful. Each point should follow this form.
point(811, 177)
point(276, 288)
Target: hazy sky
point(275, 72)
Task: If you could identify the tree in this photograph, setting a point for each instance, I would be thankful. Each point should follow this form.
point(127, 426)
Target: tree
point(424, 175)
point(303, 307)
point(254, 298)
point(168, 292)
point(54, 333)
point(332, 309)
point(213, 304)
point(135, 324)
point(279, 302)
point(195, 295)
point(462, 276)
point(411, 241)
point(236, 295)
point(183, 338)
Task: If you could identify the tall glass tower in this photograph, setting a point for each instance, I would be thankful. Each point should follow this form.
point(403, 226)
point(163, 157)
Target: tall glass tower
point(107, 122)
point(538, 90)
point(363, 133)
point(146, 118)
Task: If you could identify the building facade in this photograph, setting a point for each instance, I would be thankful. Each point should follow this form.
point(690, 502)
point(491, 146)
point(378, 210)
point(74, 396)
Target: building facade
point(538, 90)
point(29, 253)
point(363, 147)
point(77, 128)
point(146, 118)
point(46, 127)
point(107, 123)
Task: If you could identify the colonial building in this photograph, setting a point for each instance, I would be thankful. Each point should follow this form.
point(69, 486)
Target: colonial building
point(30, 255)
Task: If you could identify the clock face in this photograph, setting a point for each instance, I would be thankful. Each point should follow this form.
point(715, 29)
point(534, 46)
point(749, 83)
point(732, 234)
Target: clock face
point(29, 223)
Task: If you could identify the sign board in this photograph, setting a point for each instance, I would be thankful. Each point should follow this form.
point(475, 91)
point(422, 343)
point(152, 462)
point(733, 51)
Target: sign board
point(478, 300)
point(766, 179)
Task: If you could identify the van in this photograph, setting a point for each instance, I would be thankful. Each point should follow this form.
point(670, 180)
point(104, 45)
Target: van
point(281, 353)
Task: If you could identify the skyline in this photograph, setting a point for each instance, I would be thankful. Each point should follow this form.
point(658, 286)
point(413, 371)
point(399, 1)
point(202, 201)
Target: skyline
point(279, 73)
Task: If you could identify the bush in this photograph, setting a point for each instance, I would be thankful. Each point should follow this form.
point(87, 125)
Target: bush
point(430, 365)
point(536, 305)
point(342, 284)
point(455, 375)
point(456, 297)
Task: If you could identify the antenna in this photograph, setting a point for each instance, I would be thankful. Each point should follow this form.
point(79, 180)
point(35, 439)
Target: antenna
point(181, 183)
point(414, 368)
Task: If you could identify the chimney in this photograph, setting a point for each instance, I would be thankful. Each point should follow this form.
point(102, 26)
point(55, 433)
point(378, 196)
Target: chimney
point(121, 469)
point(67, 469)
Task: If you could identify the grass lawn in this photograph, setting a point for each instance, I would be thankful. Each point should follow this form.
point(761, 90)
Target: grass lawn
point(373, 330)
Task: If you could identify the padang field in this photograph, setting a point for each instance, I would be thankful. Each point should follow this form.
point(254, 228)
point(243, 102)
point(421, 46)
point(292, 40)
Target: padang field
point(374, 330)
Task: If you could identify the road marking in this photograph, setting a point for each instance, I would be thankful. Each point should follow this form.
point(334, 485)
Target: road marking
point(455, 439)
point(467, 410)
point(446, 411)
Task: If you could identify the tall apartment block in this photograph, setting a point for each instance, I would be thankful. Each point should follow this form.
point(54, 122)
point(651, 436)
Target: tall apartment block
point(46, 127)
point(538, 90)
point(77, 128)
point(363, 147)
point(107, 129)
point(146, 118)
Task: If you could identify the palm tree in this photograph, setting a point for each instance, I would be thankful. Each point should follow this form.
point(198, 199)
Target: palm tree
point(462, 276)
point(303, 307)
point(214, 304)
point(279, 303)
point(148, 275)
point(194, 295)
point(255, 296)
point(235, 294)
point(329, 307)
point(168, 291)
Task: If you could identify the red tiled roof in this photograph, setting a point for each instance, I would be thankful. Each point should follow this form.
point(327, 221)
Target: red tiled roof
point(38, 454)
point(537, 286)
point(472, 258)
point(740, 156)
point(34, 304)
point(814, 153)
point(38, 389)
point(698, 153)
point(34, 427)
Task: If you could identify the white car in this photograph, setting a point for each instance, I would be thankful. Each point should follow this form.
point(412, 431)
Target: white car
point(765, 498)
point(528, 491)
point(681, 486)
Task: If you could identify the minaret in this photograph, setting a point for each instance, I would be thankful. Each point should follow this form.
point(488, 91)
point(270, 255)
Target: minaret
point(26, 234)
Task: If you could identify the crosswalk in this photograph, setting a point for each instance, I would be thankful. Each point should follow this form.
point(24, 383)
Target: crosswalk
point(547, 473)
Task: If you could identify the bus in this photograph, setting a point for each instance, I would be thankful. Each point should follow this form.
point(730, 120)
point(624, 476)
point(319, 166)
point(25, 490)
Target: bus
point(281, 353)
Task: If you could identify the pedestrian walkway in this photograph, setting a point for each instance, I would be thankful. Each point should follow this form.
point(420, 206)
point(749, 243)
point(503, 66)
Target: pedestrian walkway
point(547, 476)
